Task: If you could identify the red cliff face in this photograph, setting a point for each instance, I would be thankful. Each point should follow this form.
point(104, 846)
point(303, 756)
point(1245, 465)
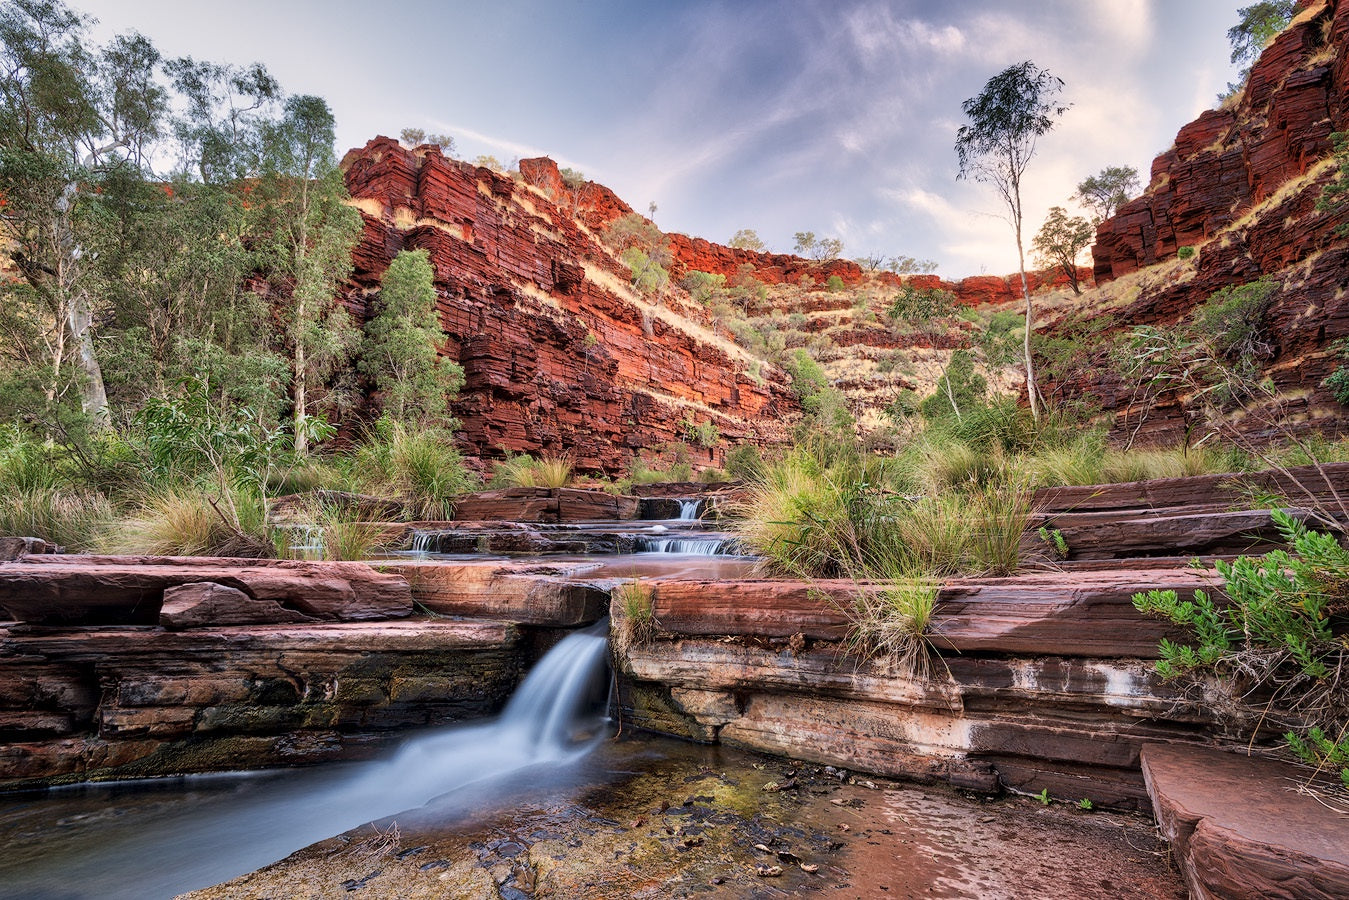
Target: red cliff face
point(1241, 186)
point(1232, 159)
point(781, 268)
point(558, 355)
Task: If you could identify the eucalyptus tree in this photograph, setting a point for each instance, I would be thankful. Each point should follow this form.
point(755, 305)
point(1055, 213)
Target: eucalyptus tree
point(1006, 119)
point(74, 119)
point(306, 234)
point(1105, 192)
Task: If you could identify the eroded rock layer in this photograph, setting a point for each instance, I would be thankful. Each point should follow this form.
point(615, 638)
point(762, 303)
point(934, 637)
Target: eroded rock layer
point(559, 353)
point(1240, 190)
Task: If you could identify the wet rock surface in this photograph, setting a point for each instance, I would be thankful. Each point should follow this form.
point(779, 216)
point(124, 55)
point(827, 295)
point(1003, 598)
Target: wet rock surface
point(663, 819)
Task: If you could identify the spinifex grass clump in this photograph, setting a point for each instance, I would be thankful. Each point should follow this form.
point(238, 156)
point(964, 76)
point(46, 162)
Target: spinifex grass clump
point(423, 468)
point(636, 623)
point(548, 471)
point(70, 517)
point(191, 521)
point(1279, 648)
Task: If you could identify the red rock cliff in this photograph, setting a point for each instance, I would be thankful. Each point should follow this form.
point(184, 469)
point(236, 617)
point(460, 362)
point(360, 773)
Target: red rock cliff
point(558, 354)
point(1241, 186)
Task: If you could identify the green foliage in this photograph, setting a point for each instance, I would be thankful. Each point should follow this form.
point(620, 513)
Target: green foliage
point(1060, 242)
point(1257, 26)
point(401, 345)
point(1185, 252)
point(194, 433)
point(1232, 322)
point(959, 388)
point(648, 276)
point(1338, 381)
point(835, 284)
point(1107, 191)
point(1044, 797)
point(703, 434)
point(808, 378)
point(1275, 638)
point(921, 306)
point(744, 463)
point(1333, 197)
point(1084, 804)
point(811, 247)
point(746, 239)
point(1056, 541)
point(703, 287)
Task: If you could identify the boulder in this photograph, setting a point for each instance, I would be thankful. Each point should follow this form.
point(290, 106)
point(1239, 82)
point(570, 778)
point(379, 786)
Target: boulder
point(203, 604)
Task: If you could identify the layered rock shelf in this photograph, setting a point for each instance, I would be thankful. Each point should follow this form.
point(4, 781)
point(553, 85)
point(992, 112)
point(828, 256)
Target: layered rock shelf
point(559, 353)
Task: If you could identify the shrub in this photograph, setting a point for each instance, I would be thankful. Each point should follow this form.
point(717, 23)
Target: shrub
point(1274, 645)
point(1184, 252)
point(835, 284)
point(744, 463)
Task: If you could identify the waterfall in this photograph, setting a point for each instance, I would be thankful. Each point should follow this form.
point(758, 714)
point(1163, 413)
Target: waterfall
point(690, 546)
point(688, 510)
point(423, 541)
point(554, 719)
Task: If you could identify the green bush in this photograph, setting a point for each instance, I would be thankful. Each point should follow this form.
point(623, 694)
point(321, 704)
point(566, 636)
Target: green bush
point(424, 469)
point(1274, 644)
point(1184, 252)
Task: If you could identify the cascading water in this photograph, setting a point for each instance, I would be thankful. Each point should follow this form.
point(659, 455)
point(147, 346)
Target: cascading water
point(688, 510)
point(205, 834)
point(690, 546)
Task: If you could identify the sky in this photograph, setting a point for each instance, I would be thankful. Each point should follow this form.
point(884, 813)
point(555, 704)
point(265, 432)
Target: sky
point(831, 116)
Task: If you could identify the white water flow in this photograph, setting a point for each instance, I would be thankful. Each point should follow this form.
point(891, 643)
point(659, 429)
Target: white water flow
point(205, 834)
point(690, 546)
point(688, 510)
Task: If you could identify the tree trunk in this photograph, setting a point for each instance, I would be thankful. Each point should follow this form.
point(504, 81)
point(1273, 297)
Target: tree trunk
point(93, 393)
point(1032, 394)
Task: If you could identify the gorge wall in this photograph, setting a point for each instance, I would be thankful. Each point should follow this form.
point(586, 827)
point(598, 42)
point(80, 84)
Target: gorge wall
point(1241, 187)
point(559, 353)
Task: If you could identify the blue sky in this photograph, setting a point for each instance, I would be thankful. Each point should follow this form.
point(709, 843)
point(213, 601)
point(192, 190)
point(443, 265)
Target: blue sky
point(833, 117)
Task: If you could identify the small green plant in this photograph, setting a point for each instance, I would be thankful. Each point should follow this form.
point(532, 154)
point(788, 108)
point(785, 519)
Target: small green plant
point(1184, 252)
point(1044, 797)
point(1275, 639)
point(704, 434)
point(1084, 804)
point(1058, 544)
point(835, 284)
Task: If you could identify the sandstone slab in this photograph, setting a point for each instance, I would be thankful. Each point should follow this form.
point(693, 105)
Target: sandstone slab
point(130, 589)
point(1239, 827)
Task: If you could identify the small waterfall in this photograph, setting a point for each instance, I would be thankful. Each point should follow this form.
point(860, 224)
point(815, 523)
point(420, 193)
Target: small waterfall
point(689, 546)
point(555, 717)
point(688, 510)
point(423, 541)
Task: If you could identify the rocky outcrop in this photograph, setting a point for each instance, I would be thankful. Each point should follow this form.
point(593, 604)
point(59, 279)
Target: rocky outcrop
point(92, 703)
point(783, 268)
point(130, 590)
point(559, 354)
point(1240, 827)
point(1232, 159)
point(1240, 187)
